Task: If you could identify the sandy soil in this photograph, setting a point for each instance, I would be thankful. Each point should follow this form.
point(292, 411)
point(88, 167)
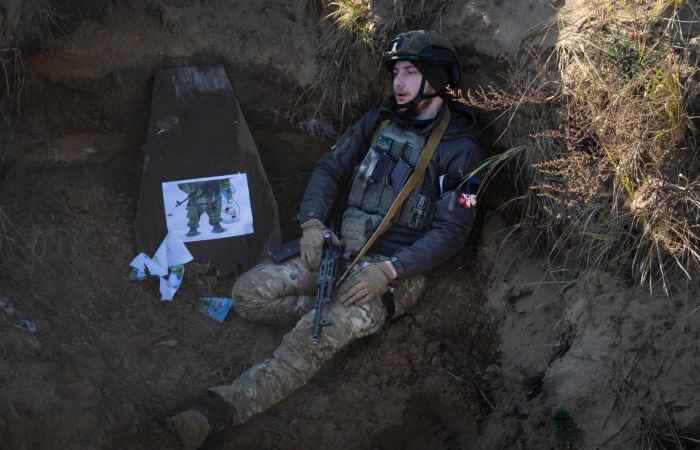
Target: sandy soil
point(110, 361)
point(103, 370)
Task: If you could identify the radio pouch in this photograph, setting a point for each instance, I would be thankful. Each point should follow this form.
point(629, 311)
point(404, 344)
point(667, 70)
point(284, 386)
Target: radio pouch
point(400, 175)
point(383, 169)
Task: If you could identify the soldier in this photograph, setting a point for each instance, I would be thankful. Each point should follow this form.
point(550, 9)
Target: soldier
point(432, 224)
point(205, 197)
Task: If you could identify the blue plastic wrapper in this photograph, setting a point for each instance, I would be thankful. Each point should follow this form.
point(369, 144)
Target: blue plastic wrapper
point(215, 307)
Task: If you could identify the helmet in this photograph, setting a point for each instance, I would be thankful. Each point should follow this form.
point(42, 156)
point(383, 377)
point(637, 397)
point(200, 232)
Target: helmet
point(424, 46)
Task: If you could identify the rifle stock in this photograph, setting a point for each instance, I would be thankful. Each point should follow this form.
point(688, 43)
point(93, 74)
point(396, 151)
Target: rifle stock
point(284, 252)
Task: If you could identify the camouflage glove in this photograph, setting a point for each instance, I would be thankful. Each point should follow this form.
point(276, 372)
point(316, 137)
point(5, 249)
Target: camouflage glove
point(364, 285)
point(312, 240)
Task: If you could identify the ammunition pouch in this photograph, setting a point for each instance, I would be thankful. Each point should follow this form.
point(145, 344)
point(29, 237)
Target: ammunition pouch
point(356, 229)
point(417, 212)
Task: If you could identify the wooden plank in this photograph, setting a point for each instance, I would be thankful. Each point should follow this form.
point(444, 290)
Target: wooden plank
point(197, 130)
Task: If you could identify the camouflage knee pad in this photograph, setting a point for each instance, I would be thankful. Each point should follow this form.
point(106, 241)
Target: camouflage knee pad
point(407, 293)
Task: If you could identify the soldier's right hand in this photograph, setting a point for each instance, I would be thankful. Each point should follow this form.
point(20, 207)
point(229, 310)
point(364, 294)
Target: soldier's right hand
point(312, 240)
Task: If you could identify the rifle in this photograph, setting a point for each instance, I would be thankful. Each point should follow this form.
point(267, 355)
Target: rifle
point(284, 252)
point(327, 277)
point(192, 195)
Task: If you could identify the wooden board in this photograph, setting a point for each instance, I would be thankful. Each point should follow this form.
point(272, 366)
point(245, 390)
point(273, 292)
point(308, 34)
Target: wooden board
point(196, 130)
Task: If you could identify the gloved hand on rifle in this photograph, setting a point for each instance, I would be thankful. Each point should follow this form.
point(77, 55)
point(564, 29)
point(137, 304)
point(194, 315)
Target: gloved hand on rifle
point(312, 240)
point(364, 285)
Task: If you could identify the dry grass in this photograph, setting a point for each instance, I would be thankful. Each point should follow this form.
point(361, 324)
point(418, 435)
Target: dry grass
point(13, 81)
point(8, 246)
point(13, 78)
point(607, 124)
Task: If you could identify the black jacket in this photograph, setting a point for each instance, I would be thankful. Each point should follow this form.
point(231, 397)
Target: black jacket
point(457, 152)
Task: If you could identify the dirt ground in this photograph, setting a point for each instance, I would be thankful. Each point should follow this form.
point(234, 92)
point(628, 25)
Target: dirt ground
point(109, 360)
point(502, 339)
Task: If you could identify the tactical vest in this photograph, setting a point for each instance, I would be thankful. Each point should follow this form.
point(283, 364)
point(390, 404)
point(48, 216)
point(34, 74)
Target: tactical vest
point(378, 180)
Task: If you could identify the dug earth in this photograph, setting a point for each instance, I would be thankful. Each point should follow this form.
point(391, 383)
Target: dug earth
point(497, 345)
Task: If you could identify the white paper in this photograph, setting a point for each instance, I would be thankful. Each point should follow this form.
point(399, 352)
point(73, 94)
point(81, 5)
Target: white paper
point(169, 285)
point(142, 261)
point(234, 203)
point(167, 263)
point(173, 251)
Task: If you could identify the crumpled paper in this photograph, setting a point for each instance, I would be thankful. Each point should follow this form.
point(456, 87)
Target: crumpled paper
point(167, 263)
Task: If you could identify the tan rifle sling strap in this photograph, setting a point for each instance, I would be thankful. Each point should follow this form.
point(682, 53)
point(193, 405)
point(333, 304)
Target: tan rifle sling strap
point(422, 164)
point(382, 125)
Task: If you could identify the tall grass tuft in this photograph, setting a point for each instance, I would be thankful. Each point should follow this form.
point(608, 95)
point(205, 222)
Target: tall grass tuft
point(566, 432)
point(608, 123)
point(350, 18)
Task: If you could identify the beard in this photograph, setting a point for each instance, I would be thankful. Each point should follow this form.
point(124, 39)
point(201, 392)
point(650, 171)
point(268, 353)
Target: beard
point(417, 110)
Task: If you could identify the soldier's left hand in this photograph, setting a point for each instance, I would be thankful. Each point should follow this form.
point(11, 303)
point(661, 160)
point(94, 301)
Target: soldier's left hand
point(364, 285)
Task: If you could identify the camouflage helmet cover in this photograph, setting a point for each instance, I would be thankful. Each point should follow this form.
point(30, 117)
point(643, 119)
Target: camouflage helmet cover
point(423, 45)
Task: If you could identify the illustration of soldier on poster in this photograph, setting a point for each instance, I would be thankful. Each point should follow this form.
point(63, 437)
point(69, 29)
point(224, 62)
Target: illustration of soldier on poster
point(208, 208)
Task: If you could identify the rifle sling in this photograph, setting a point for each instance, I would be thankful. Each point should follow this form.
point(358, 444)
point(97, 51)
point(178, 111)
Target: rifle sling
point(383, 124)
point(422, 164)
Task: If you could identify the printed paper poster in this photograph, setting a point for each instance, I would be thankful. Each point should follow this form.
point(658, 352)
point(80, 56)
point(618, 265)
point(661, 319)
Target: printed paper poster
point(208, 208)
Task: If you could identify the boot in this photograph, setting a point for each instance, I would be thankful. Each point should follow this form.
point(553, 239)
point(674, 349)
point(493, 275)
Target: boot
point(218, 228)
point(192, 232)
point(191, 427)
point(204, 418)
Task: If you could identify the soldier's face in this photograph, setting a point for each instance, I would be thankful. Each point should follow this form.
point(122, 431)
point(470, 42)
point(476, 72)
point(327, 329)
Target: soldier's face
point(407, 81)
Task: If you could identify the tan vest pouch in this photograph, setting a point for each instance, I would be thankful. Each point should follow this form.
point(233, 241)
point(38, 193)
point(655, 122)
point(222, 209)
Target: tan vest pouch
point(356, 229)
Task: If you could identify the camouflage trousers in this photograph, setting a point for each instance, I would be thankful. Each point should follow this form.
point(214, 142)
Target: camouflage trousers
point(285, 294)
point(197, 206)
